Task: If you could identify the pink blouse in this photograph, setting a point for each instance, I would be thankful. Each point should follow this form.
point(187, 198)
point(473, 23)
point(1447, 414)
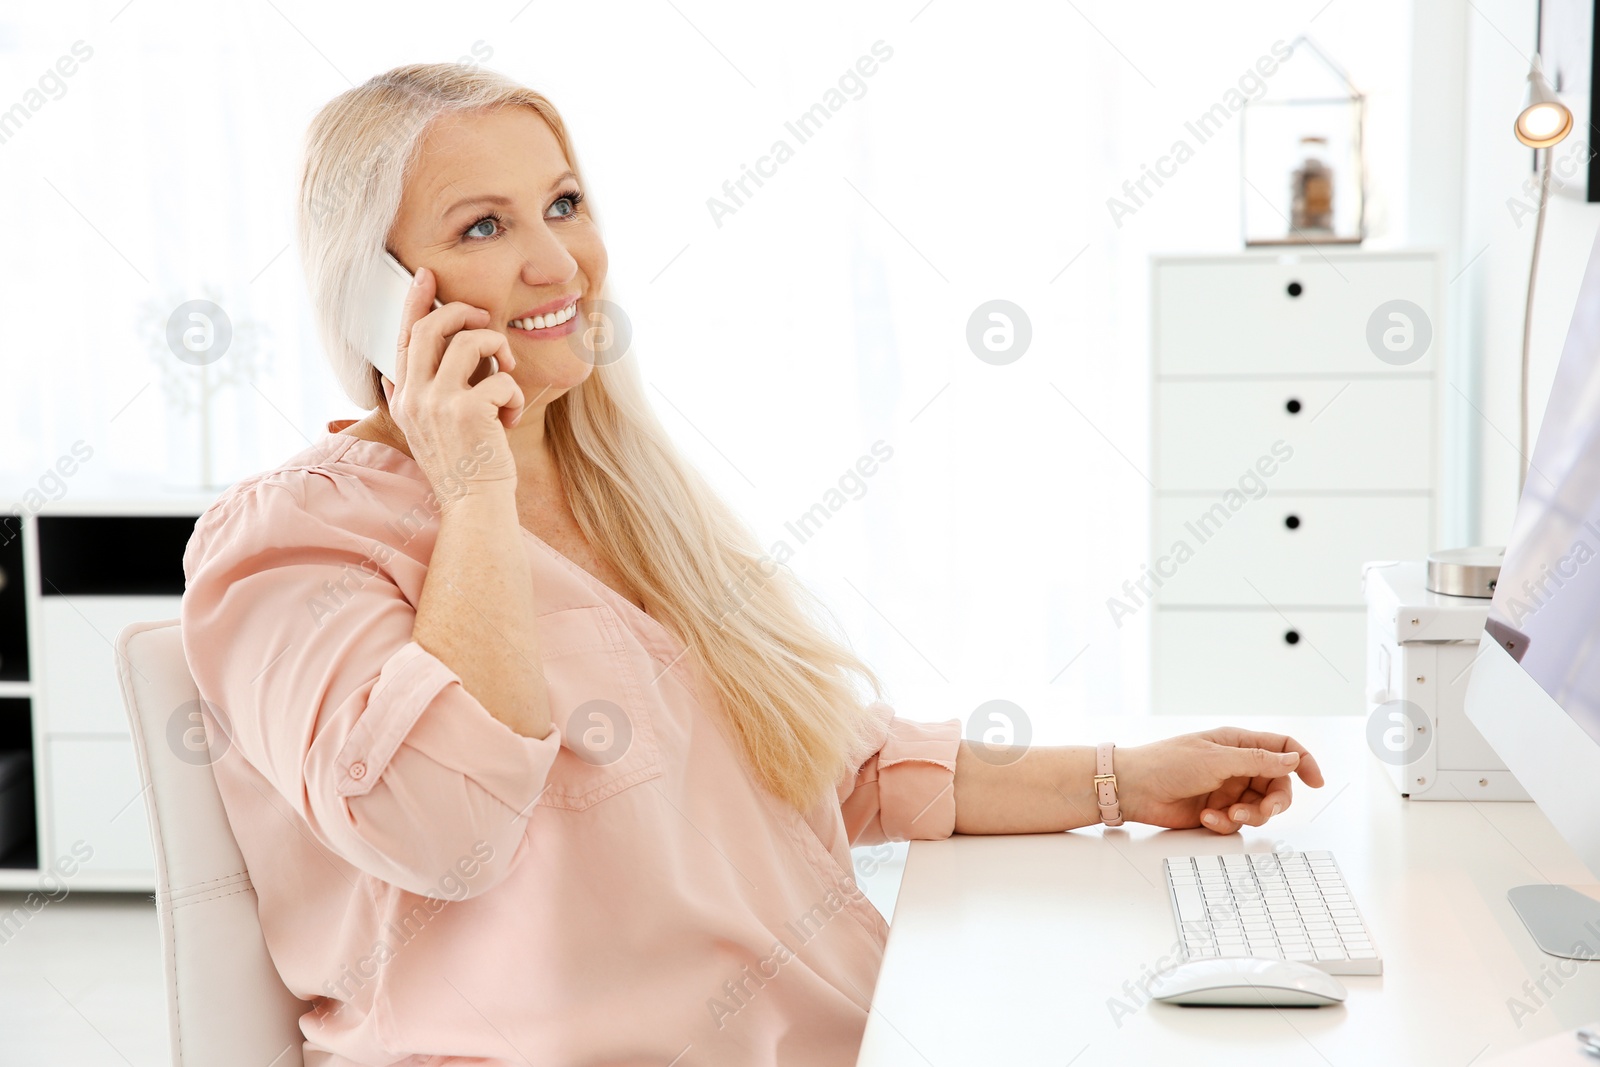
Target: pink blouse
point(443, 890)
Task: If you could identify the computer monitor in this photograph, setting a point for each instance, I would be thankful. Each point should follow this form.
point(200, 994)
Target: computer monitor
point(1534, 692)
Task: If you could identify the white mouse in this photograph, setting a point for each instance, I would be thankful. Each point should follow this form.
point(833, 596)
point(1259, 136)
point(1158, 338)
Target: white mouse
point(1245, 981)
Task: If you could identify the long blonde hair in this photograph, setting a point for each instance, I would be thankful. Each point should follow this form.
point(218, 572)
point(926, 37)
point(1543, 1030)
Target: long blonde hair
point(782, 675)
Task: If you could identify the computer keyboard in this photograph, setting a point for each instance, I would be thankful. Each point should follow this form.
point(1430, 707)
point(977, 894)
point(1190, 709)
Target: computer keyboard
point(1272, 905)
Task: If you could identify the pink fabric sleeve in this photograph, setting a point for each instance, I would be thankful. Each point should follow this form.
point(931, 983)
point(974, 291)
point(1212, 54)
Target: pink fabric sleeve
point(905, 790)
point(292, 627)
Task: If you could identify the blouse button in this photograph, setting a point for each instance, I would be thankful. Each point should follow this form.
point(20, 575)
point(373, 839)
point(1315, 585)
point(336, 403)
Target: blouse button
point(358, 769)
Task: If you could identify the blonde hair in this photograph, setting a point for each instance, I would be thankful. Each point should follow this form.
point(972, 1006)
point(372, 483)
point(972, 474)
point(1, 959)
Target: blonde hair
point(783, 678)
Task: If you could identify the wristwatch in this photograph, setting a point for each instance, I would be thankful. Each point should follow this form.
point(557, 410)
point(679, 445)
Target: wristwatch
point(1105, 786)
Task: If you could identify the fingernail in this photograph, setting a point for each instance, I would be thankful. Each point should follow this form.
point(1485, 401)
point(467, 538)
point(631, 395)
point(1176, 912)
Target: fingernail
point(1289, 757)
point(1209, 819)
point(1274, 809)
point(1238, 815)
point(416, 279)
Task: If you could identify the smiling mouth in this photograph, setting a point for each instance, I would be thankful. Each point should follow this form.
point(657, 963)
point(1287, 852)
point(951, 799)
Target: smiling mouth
point(547, 322)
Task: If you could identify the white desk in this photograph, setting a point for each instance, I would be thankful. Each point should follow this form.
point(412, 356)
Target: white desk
point(1015, 950)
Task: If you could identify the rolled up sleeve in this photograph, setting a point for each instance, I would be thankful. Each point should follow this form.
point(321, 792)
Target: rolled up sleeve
point(294, 630)
point(905, 790)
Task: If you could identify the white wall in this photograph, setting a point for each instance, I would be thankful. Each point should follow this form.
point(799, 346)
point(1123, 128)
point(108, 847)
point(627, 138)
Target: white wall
point(1434, 132)
point(1489, 296)
point(978, 164)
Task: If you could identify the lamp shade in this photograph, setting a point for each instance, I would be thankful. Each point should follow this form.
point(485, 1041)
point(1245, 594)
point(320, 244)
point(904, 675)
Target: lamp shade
point(1545, 121)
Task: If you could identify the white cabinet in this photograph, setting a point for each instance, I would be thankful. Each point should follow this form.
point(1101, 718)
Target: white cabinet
point(1231, 662)
point(76, 572)
point(1303, 313)
point(1262, 552)
point(1341, 434)
point(1287, 449)
point(76, 635)
point(96, 807)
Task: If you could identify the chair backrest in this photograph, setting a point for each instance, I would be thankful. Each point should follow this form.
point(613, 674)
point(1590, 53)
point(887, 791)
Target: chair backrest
point(225, 1000)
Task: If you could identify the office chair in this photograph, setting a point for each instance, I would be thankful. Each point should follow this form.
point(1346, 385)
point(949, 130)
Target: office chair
point(225, 1001)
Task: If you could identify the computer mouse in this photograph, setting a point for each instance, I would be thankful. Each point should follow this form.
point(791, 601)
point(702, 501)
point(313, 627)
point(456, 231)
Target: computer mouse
point(1245, 981)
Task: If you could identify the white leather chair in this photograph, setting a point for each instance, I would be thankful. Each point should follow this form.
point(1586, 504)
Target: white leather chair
point(226, 1004)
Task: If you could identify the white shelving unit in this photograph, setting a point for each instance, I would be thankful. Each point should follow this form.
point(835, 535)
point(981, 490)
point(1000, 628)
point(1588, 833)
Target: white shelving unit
point(1263, 373)
point(78, 571)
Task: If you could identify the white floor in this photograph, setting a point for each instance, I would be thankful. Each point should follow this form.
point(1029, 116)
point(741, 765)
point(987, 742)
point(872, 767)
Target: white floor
point(81, 984)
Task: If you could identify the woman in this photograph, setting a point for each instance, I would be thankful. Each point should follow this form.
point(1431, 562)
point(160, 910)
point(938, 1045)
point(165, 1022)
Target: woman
point(533, 757)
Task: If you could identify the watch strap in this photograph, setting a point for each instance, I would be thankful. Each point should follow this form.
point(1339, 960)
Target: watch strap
point(1105, 786)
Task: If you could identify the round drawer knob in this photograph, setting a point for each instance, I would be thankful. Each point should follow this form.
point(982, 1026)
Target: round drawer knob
point(1293, 406)
point(1295, 289)
point(1292, 521)
point(1292, 637)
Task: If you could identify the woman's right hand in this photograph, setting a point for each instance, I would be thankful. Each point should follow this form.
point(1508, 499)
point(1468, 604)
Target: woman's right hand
point(446, 420)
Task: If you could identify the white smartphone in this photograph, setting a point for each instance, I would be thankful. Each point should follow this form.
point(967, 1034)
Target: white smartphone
point(382, 308)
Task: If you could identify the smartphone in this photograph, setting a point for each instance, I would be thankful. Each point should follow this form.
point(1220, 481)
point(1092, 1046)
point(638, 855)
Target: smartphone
point(383, 306)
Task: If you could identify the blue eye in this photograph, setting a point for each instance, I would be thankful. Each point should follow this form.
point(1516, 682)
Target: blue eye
point(491, 217)
point(572, 200)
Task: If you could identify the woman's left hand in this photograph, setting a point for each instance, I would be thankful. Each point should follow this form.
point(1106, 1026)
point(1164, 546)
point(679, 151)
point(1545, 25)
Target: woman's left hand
point(1220, 779)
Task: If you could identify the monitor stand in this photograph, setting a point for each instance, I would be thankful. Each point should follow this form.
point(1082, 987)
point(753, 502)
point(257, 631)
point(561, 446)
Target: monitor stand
point(1563, 921)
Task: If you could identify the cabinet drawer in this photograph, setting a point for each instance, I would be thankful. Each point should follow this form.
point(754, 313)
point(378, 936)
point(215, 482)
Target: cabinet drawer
point(1236, 316)
point(95, 802)
point(79, 663)
point(1230, 663)
point(1359, 436)
point(1291, 550)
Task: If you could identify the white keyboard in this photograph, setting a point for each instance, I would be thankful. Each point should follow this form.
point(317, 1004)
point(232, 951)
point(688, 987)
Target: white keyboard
point(1271, 905)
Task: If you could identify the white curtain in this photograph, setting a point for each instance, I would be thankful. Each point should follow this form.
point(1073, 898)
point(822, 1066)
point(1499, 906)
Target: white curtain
point(828, 311)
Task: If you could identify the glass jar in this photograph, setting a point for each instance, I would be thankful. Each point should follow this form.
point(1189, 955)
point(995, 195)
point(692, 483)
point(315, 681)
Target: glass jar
point(1311, 189)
